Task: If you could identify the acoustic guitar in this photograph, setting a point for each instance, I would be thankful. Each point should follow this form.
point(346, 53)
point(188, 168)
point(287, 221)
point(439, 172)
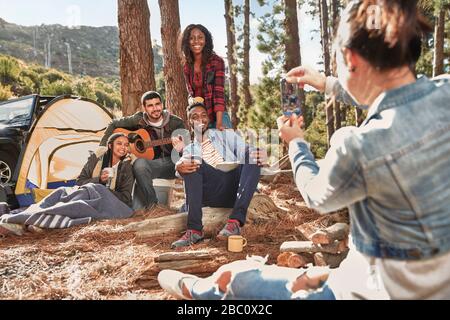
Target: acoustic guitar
point(141, 144)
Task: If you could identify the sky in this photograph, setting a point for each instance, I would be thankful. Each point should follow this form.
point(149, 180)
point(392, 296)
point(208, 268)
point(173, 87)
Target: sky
point(210, 13)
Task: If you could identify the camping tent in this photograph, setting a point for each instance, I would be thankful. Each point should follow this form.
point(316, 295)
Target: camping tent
point(58, 145)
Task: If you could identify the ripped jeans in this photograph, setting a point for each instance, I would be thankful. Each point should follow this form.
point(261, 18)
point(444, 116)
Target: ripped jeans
point(253, 280)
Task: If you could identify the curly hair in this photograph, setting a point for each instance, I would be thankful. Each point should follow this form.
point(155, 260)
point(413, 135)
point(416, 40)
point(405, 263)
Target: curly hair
point(208, 50)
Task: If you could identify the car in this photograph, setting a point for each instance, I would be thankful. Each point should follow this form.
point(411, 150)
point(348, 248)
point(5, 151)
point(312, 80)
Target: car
point(16, 119)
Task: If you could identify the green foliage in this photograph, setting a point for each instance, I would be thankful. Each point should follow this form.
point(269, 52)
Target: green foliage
point(316, 134)
point(84, 87)
point(31, 79)
point(56, 88)
point(312, 100)
point(9, 70)
point(5, 92)
point(267, 107)
point(52, 75)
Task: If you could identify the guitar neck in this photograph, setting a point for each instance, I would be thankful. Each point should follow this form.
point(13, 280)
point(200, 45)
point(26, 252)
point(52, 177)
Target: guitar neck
point(156, 143)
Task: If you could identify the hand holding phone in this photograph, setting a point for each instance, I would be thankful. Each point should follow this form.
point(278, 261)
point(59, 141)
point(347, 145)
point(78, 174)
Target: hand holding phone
point(290, 98)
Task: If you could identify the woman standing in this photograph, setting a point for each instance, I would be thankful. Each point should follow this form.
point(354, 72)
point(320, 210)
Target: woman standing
point(205, 73)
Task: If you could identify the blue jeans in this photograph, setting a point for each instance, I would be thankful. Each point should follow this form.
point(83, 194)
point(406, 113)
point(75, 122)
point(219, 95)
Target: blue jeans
point(145, 171)
point(209, 187)
point(253, 280)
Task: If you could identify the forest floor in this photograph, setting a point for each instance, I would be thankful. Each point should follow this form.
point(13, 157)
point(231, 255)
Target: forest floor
point(100, 261)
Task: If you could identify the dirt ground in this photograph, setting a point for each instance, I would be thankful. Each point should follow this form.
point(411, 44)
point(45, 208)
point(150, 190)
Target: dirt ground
point(100, 261)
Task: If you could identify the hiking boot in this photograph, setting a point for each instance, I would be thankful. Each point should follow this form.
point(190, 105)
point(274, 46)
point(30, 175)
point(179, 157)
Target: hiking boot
point(189, 238)
point(232, 228)
point(176, 283)
point(11, 229)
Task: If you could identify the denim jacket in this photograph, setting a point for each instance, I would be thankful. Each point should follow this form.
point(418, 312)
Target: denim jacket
point(227, 143)
point(393, 173)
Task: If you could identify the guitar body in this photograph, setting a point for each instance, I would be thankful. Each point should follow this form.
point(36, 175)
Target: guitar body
point(139, 146)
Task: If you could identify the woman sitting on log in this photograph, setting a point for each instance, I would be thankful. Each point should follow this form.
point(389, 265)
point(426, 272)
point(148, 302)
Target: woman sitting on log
point(103, 191)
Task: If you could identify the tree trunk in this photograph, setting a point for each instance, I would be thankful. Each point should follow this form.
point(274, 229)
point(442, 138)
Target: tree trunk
point(248, 101)
point(336, 104)
point(327, 66)
point(176, 93)
point(292, 42)
point(325, 36)
point(136, 55)
point(261, 209)
point(438, 63)
point(232, 61)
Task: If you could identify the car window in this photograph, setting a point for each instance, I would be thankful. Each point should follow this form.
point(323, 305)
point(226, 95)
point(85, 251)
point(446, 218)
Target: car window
point(17, 112)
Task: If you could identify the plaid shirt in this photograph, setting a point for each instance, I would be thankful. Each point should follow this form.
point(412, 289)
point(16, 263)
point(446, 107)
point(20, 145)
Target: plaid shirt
point(213, 77)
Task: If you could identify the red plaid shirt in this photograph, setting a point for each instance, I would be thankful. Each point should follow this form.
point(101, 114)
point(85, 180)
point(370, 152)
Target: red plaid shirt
point(213, 91)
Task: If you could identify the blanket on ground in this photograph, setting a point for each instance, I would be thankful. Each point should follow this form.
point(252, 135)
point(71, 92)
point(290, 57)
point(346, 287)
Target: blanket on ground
point(70, 206)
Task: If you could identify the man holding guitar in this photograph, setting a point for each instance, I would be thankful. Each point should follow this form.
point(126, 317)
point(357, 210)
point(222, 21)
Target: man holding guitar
point(150, 133)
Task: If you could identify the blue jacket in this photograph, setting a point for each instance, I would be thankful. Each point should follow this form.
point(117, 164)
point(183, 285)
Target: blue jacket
point(393, 173)
point(228, 143)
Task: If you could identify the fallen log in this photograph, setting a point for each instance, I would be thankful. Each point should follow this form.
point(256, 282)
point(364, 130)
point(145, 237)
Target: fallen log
point(310, 247)
point(198, 267)
point(332, 260)
point(309, 228)
point(261, 208)
point(187, 255)
point(292, 260)
point(338, 231)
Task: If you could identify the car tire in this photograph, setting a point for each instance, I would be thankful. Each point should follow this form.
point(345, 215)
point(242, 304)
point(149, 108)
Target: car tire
point(7, 166)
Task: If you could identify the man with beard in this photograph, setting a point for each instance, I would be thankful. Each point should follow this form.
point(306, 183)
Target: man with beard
point(206, 185)
point(160, 124)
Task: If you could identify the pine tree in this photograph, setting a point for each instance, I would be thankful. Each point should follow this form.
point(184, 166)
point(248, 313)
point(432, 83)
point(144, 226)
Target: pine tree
point(232, 61)
point(136, 55)
point(176, 93)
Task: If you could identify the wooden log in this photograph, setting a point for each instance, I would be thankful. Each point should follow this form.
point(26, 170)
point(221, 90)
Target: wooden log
point(187, 255)
point(309, 228)
point(261, 208)
point(338, 231)
point(291, 260)
point(333, 260)
point(200, 267)
point(310, 247)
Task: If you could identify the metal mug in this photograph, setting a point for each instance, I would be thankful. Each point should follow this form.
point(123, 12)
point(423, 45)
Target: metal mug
point(236, 243)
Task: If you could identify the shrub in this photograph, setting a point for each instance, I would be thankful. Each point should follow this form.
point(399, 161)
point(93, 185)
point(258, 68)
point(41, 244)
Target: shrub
point(5, 92)
point(9, 70)
point(57, 88)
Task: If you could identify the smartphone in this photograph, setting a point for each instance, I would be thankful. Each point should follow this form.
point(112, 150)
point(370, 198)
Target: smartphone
point(290, 98)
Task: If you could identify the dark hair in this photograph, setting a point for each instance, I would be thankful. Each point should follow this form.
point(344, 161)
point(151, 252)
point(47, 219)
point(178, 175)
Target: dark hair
point(115, 136)
point(150, 95)
point(395, 40)
point(208, 50)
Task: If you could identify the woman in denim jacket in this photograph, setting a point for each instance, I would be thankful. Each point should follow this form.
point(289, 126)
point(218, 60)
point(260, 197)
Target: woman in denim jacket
point(393, 172)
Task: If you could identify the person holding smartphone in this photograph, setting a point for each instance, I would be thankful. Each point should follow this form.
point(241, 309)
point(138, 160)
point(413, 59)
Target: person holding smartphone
point(392, 173)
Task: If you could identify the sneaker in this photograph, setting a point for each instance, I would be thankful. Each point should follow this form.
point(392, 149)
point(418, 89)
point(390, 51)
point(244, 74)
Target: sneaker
point(172, 282)
point(11, 228)
point(189, 238)
point(232, 228)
